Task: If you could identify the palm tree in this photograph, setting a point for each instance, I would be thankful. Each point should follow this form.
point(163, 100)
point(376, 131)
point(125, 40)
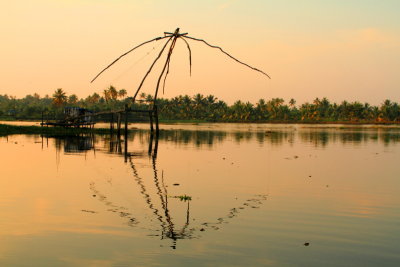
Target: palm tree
point(122, 93)
point(59, 97)
point(292, 102)
point(72, 99)
point(273, 106)
point(95, 98)
point(106, 94)
point(113, 92)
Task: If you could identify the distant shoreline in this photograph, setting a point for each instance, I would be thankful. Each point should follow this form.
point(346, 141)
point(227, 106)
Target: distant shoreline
point(165, 121)
point(8, 129)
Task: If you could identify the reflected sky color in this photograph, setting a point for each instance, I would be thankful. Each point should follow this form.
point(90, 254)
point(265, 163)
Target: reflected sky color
point(338, 49)
point(78, 201)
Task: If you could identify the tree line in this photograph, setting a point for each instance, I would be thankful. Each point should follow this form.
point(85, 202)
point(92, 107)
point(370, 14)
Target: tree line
point(204, 108)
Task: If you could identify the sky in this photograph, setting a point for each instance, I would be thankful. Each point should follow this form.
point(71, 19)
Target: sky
point(339, 49)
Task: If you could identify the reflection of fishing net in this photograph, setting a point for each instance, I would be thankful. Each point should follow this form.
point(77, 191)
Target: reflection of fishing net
point(163, 212)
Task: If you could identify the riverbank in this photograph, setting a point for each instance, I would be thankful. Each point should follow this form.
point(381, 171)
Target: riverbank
point(102, 128)
point(173, 121)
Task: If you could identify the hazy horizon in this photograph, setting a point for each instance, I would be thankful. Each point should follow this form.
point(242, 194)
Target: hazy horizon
point(342, 50)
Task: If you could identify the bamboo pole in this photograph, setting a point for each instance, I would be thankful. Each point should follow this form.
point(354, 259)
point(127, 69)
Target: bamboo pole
point(226, 53)
point(124, 54)
point(172, 37)
point(151, 67)
point(190, 55)
point(175, 36)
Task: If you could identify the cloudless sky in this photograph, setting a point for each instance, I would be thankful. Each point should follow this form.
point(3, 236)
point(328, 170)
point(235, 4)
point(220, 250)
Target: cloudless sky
point(340, 49)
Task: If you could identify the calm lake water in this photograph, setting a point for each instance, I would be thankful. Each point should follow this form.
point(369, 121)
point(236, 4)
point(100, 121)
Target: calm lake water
point(252, 195)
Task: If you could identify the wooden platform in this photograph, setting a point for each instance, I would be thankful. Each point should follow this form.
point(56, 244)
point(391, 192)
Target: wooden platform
point(83, 121)
point(67, 124)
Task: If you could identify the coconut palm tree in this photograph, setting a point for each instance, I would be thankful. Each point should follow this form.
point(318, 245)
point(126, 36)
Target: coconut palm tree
point(72, 99)
point(113, 92)
point(292, 103)
point(122, 93)
point(106, 94)
point(59, 97)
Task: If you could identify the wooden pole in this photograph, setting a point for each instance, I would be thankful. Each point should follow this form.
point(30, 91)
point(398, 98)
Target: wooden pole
point(155, 147)
point(156, 118)
point(126, 120)
point(119, 124)
point(112, 122)
point(126, 133)
point(150, 144)
point(151, 121)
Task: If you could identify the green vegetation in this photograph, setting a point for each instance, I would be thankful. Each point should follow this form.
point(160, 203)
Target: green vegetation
point(183, 197)
point(200, 108)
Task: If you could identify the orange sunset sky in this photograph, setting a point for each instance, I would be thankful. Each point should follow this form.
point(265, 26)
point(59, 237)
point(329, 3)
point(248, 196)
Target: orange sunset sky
point(340, 49)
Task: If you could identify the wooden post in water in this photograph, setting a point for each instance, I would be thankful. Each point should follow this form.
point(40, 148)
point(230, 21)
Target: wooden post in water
point(155, 147)
point(156, 118)
point(42, 122)
point(126, 133)
point(119, 124)
point(150, 144)
point(126, 120)
point(112, 122)
point(151, 121)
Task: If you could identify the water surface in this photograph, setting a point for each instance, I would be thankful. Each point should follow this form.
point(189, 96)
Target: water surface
point(258, 195)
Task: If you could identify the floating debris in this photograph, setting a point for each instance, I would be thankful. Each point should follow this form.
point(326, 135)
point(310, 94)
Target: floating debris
point(176, 184)
point(306, 244)
point(89, 211)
